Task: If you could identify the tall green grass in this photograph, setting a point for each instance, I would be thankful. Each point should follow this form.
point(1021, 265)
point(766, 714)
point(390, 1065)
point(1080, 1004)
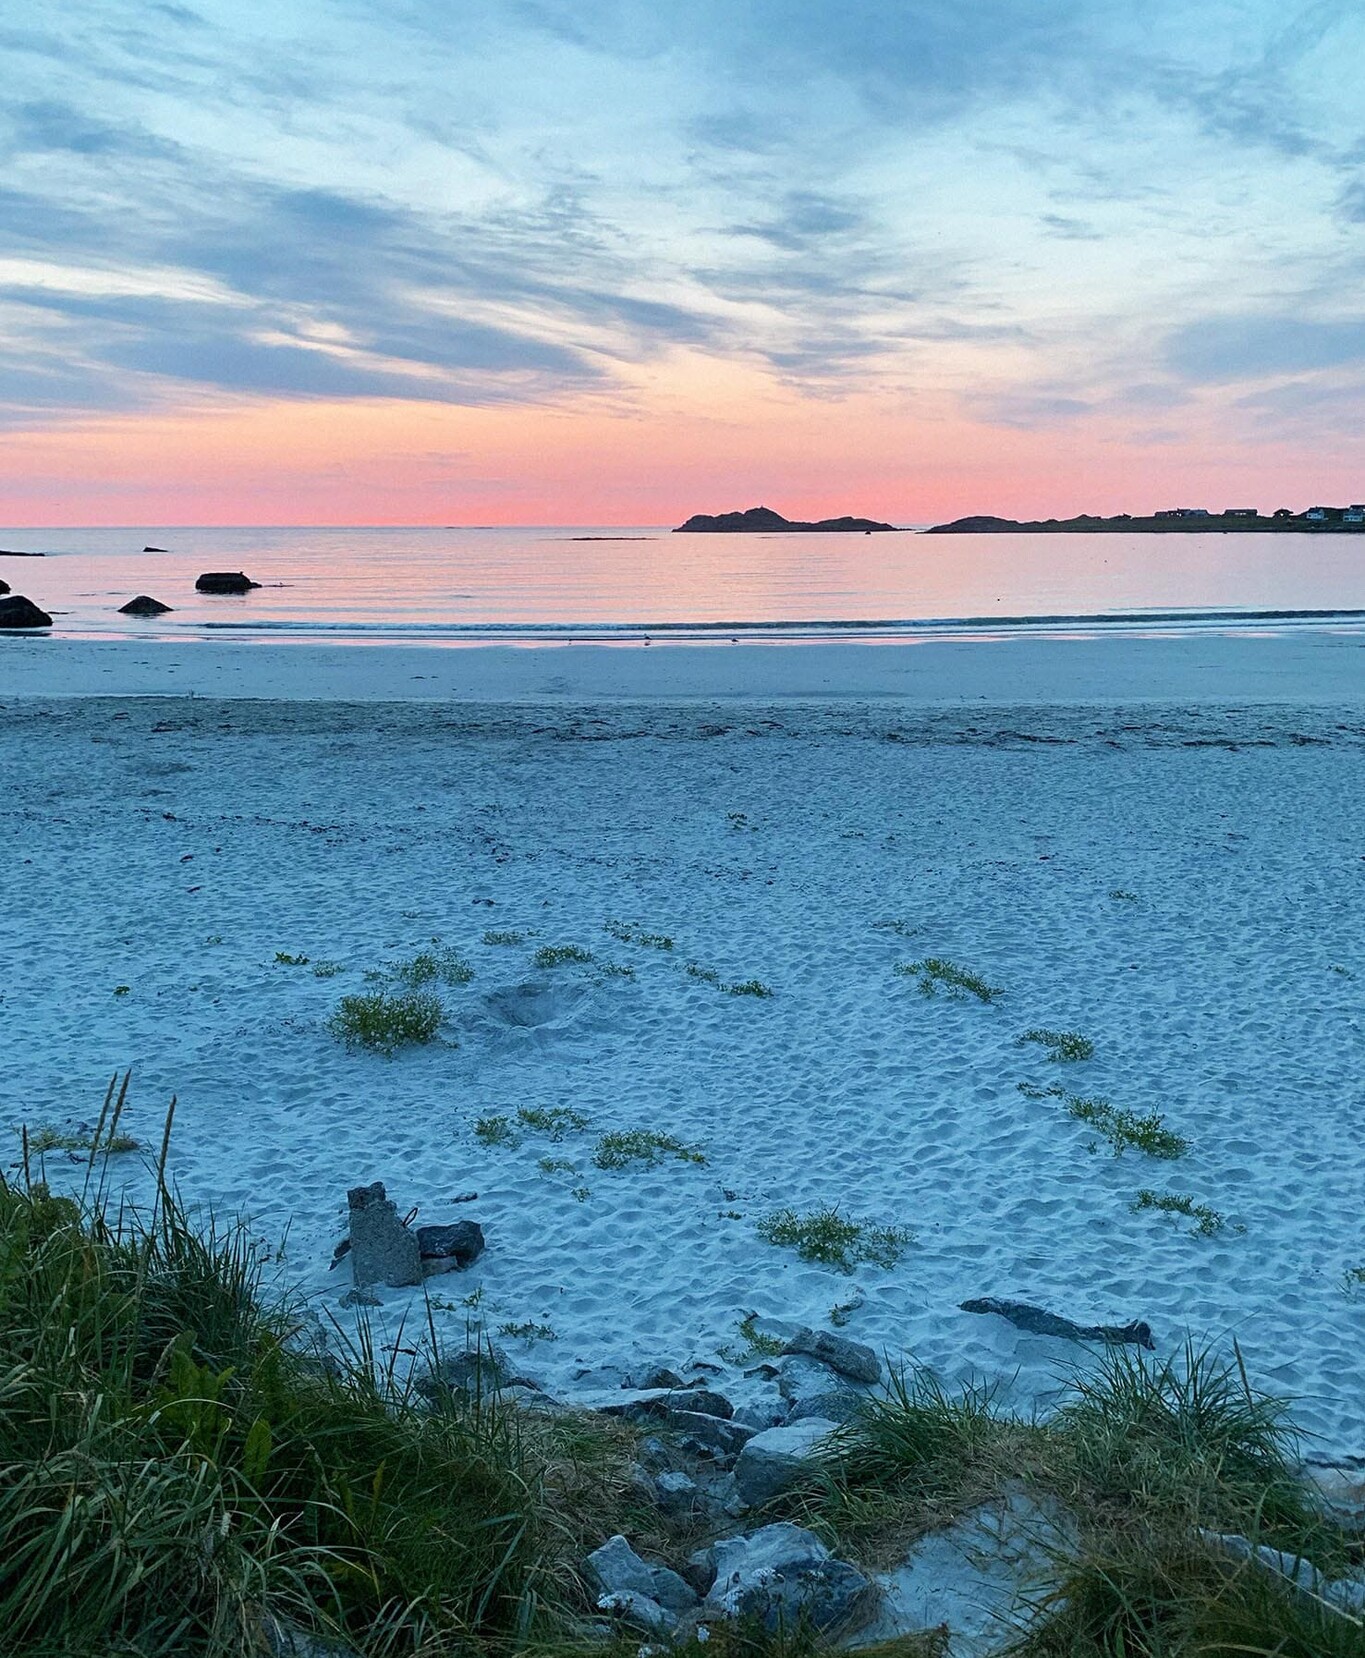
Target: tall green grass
point(179, 1470)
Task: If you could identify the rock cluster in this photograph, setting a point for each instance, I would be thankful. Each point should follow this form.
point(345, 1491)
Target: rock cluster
point(383, 1250)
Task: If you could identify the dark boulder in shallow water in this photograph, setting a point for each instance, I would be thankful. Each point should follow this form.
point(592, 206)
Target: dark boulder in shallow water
point(143, 605)
point(154, 549)
point(19, 612)
point(224, 581)
point(4, 587)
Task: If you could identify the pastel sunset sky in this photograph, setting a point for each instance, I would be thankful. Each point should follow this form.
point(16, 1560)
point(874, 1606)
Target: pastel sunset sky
point(616, 261)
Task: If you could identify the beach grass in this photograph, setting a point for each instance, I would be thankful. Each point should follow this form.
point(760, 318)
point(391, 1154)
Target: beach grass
point(1207, 1221)
point(622, 1147)
point(561, 955)
point(183, 1476)
point(1067, 1047)
point(1124, 1130)
point(554, 1121)
point(385, 1022)
point(439, 965)
point(828, 1237)
point(934, 974)
point(628, 934)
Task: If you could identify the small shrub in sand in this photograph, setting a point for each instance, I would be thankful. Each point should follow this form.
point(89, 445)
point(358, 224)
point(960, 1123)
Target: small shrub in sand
point(102, 1142)
point(327, 969)
point(707, 975)
point(438, 966)
point(748, 987)
point(1207, 1221)
point(832, 1239)
point(527, 1332)
point(934, 973)
point(1353, 1280)
point(1065, 1046)
point(496, 1131)
point(1124, 1129)
point(560, 955)
point(504, 938)
point(556, 1165)
point(284, 959)
point(622, 1147)
point(385, 1022)
point(1121, 895)
point(637, 935)
point(553, 1120)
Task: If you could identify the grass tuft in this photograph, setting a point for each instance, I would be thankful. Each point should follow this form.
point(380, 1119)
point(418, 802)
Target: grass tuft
point(1124, 1129)
point(504, 938)
point(622, 1147)
point(553, 1120)
point(560, 955)
point(438, 966)
point(1208, 1221)
point(286, 960)
point(636, 935)
point(496, 1131)
point(832, 1239)
point(384, 1022)
point(1064, 1046)
point(96, 1142)
point(934, 973)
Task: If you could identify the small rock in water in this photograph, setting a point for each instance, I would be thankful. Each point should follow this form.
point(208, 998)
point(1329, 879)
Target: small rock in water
point(448, 1248)
point(383, 1251)
point(849, 1358)
point(144, 605)
point(19, 612)
point(224, 581)
point(4, 587)
point(1041, 1323)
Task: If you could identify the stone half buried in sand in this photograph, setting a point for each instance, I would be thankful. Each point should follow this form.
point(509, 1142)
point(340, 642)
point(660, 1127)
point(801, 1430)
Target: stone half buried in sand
point(450, 1248)
point(1038, 1322)
point(383, 1250)
point(224, 581)
point(17, 612)
point(144, 605)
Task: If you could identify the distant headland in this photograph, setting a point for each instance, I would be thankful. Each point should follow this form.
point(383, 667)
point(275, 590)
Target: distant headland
point(759, 519)
point(1172, 520)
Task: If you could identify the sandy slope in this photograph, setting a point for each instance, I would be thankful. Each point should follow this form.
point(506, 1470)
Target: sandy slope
point(175, 847)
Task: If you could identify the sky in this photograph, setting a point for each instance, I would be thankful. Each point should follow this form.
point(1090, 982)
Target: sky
point(613, 262)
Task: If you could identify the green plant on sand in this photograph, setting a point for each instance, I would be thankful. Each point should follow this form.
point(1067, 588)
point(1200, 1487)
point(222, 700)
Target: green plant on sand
point(622, 1147)
point(182, 1477)
point(1207, 1221)
point(830, 1238)
point(561, 955)
point(1064, 1046)
point(934, 973)
point(439, 965)
point(386, 1022)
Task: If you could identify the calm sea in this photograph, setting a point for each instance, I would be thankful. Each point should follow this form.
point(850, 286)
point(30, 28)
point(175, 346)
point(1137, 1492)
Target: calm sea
point(454, 586)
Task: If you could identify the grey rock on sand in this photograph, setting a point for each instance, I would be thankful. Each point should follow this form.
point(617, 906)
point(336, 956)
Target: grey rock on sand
point(779, 1458)
point(383, 1250)
point(450, 1248)
point(18, 612)
point(1040, 1323)
point(849, 1358)
point(783, 1576)
point(224, 581)
point(623, 1581)
point(144, 605)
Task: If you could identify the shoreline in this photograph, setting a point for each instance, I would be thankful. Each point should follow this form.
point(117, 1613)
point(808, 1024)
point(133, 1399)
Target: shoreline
point(1291, 667)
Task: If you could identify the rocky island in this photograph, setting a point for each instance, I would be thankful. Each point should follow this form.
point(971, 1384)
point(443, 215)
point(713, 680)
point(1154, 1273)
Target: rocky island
point(764, 519)
point(1177, 520)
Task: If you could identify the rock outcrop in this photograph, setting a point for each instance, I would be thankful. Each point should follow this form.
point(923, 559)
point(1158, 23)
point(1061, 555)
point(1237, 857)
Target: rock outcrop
point(18, 612)
point(224, 581)
point(144, 605)
point(763, 520)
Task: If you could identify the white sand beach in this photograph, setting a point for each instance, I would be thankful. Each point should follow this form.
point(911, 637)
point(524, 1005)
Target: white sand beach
point(1153, 842)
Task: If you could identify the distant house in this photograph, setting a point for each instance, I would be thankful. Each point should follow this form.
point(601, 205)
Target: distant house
point(1319, 515)
point(1240, 512)
point(1283, 512)
point(1183, 512)
point(1354, 514)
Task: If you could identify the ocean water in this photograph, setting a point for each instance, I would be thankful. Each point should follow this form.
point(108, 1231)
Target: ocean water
point(457, 586)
